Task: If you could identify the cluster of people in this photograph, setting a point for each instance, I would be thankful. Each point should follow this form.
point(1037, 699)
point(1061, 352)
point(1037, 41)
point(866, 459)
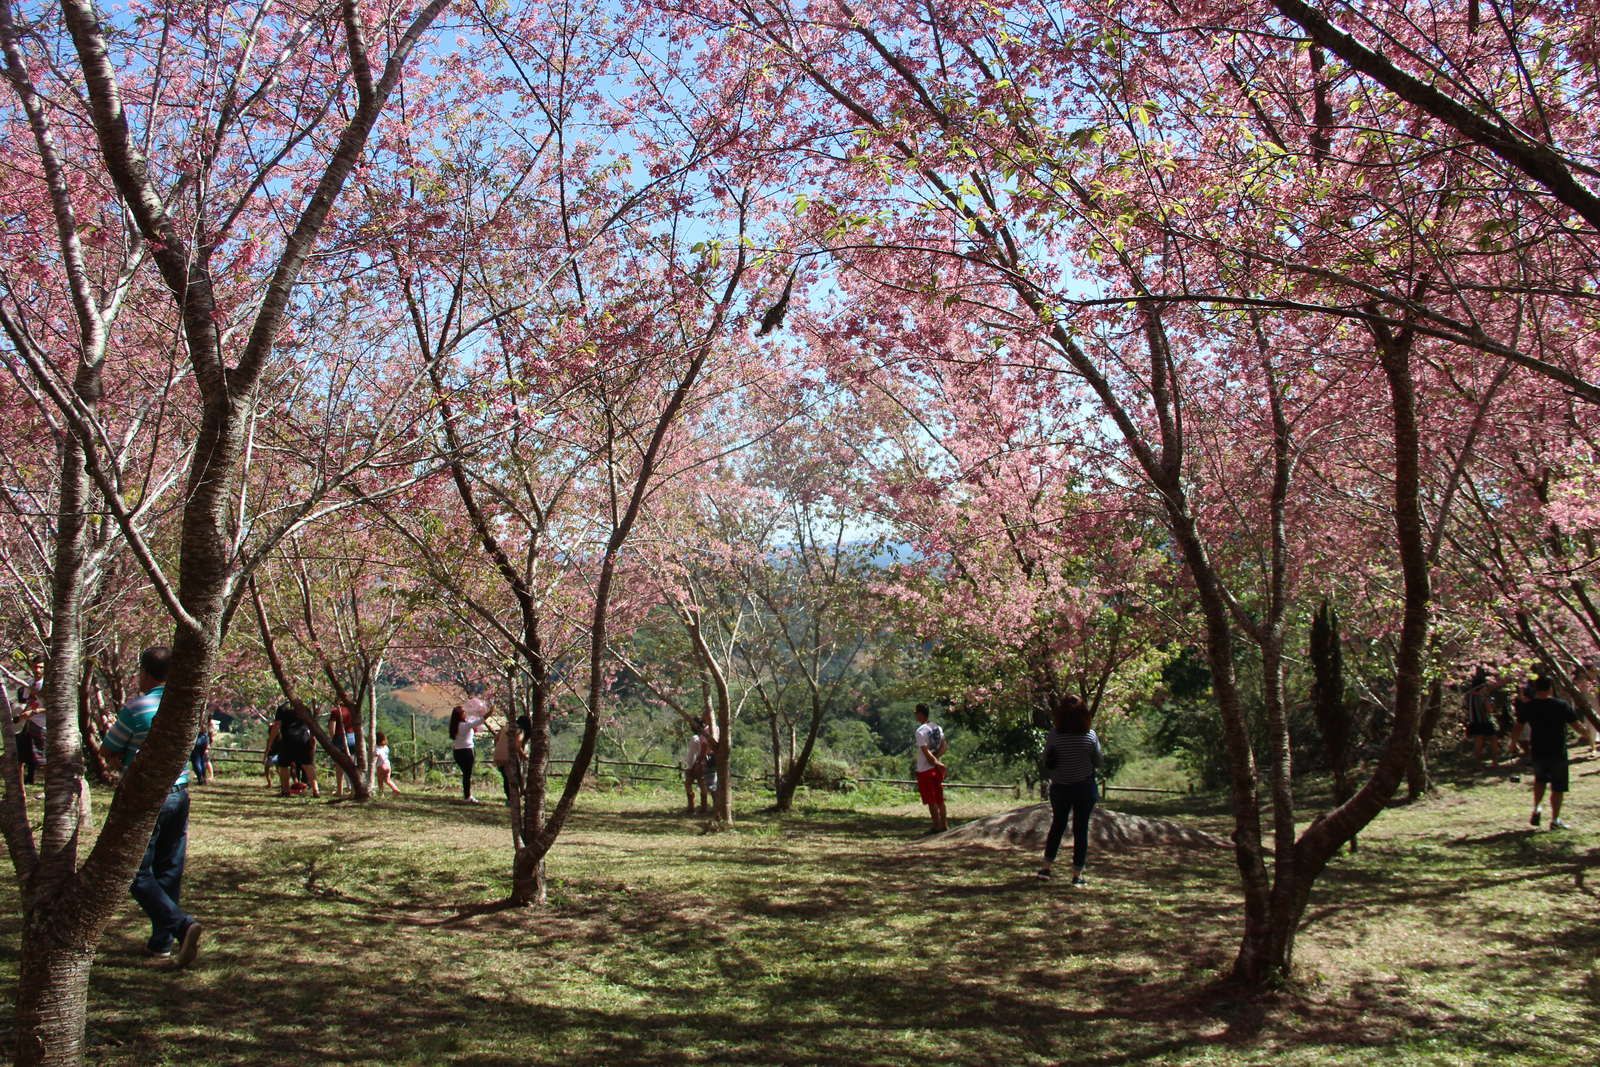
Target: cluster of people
point(1532, 723)
point(291, 749)
point(1072, 759)
point(1491, 710)
point(291, 753)
point(510, 745)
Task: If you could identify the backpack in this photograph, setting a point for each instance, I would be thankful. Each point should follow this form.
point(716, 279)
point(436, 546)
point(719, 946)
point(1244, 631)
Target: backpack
point(296, 732)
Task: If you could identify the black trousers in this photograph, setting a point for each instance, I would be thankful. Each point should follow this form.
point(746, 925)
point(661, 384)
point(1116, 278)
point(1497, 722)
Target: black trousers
point(27, 755)
point(465, 759)
point(1079, 800)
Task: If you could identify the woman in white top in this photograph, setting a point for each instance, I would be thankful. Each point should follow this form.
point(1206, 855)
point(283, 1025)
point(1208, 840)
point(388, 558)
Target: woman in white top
point(464, 726)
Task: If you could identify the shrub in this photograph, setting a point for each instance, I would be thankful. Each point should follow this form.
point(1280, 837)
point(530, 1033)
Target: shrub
point(826, 771)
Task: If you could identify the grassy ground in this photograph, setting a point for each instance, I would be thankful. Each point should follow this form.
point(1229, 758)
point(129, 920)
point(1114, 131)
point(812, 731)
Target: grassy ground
point(1456, 935)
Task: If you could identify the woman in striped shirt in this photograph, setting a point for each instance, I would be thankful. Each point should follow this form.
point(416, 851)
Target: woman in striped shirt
point(1071, 755)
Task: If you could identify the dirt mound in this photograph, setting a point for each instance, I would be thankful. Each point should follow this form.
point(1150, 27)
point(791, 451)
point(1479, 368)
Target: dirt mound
point(1112, 830)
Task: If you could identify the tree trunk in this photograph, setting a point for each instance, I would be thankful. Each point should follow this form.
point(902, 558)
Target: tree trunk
point(1258, 947)
point(722, 803)
point(528, 882)
point(797, 765)
point(788, 778)
point(717, 677)
point(527, 872)
point(528, 804)
point(1419, 780)
point(89, 730)
point(1266, 953)
point(369, 739)
point(52, 999)
point(57, 949)
point(777, 760)
point(786, 788)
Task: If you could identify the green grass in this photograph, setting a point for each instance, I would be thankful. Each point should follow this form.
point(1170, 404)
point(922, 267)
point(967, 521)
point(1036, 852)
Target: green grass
point(373, 935)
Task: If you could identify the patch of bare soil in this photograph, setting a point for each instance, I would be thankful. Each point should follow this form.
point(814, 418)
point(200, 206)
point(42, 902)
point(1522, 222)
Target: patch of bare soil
point(430, 699)
point(1026, 828)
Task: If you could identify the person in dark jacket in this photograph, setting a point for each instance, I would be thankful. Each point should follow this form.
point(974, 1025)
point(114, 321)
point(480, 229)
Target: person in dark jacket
point(1071, 756)
point(296, 749)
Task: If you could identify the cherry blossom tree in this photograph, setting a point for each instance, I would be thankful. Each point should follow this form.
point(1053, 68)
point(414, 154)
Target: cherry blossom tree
point(599, 304)
point(223, 145)
point(1107, 201)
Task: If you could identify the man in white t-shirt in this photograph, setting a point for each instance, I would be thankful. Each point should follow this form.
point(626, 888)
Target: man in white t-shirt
point(928, 744)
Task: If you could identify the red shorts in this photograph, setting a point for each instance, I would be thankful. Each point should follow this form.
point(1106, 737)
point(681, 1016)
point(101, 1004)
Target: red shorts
point(930, 784)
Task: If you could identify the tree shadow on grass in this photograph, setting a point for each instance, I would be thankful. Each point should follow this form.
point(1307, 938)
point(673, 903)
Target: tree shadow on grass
point(747, 950)
point(845, 824)
point(1414, 894)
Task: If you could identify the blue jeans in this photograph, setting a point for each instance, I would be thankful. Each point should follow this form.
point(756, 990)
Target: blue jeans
point(160, 879)
point(1079, 799)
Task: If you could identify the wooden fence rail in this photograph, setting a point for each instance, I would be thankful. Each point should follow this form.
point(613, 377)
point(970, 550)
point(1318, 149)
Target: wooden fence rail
point(1108, 787)
point(430, 762)
point(1014, 790)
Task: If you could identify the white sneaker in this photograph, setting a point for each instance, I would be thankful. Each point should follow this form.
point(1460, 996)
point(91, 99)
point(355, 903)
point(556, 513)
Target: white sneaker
point(1557, 824)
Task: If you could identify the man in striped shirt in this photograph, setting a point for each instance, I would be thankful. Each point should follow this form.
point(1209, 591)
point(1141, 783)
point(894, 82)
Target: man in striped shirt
point(159, 882)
